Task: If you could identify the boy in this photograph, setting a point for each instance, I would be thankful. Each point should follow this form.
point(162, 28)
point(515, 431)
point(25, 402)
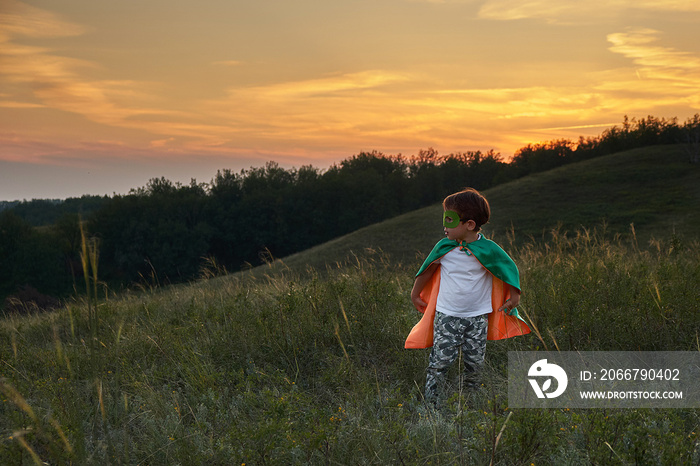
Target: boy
point(467, 290)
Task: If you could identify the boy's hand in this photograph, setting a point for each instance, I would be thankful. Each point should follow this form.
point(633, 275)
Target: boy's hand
point(418, 302)
point(512, 302)
point(505, 308)
point(418, 285)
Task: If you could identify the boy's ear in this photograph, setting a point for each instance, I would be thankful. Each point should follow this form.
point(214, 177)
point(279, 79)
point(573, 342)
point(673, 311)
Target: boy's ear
point(471, 224)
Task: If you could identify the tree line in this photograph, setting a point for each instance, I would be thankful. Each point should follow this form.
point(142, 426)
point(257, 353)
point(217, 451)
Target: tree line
point(166, 232)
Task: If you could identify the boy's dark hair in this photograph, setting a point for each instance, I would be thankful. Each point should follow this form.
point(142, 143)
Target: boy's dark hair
point(470, 205)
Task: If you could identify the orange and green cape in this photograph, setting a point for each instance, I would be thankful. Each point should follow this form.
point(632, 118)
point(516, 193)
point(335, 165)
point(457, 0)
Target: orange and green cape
point(502, 268)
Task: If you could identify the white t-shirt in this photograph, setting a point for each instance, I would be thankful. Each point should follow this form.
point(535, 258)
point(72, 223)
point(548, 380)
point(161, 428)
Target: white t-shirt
point(465, 286)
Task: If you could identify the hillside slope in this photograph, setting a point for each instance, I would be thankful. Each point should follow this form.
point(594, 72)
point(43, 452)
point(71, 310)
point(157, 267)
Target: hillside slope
point(654, 188)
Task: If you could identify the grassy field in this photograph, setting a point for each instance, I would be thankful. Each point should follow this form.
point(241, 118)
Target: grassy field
point(302, 361)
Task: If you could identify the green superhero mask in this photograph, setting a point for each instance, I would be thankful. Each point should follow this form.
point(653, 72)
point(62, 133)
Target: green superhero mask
point(450, 219)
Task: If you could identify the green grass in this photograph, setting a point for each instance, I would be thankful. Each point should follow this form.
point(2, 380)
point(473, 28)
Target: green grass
point(304, 364)
point(654, 188)
point(290, 370)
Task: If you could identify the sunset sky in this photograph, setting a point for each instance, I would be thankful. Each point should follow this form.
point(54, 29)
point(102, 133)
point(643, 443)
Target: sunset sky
point(97, 97)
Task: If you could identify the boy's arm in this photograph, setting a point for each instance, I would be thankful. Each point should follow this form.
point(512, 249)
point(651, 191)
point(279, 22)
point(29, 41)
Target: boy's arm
point(512, 302)
point(419, 284)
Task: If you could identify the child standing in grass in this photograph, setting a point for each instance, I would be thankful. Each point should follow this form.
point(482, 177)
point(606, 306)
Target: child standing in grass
point(467, 289)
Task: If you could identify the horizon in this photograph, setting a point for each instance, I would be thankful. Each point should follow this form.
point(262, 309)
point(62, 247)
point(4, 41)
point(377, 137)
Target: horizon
point(99, 98)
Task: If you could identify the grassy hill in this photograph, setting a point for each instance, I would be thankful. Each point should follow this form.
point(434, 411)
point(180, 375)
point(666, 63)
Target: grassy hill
point(302, 361)
point(655, 189)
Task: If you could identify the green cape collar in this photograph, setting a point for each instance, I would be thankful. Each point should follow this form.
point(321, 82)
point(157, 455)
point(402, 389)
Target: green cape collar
point(488, 253)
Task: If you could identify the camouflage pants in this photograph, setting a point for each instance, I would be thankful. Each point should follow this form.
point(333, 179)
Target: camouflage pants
point(452, 334)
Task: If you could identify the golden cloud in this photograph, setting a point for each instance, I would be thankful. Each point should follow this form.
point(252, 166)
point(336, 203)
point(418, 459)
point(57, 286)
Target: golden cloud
point(17, 18)
point(662, 75)
point(59, 82)
point(575, 10)
point(637, 45)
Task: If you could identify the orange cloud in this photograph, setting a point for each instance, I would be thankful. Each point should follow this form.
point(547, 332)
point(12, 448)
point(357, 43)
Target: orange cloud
point(636, 44)
point(17, 18)
point(576, 11)
point(309, 110)
point(661, 76)
point(228, 63)
point(60, 83)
